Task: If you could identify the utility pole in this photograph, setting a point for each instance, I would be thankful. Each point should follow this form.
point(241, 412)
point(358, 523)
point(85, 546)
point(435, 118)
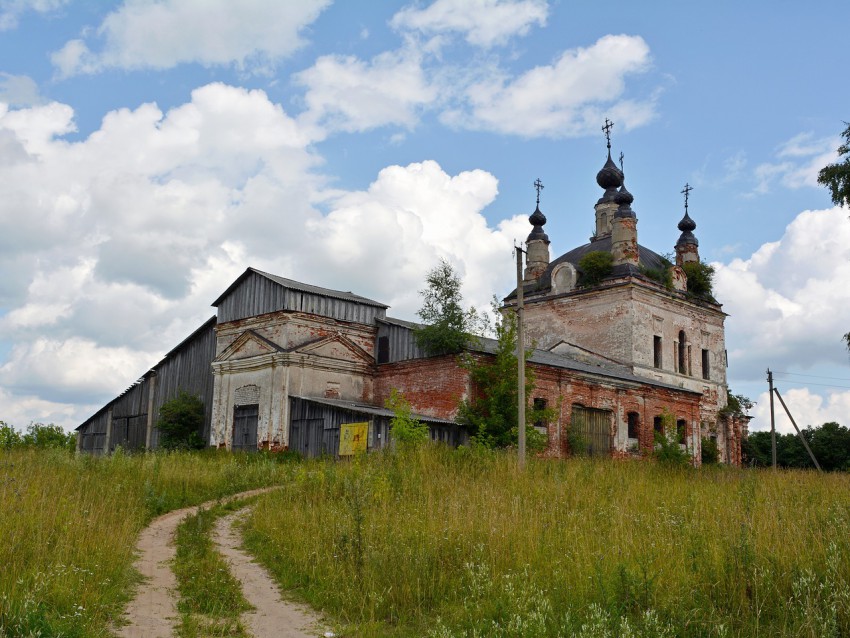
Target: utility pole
point(520, 358)
point(772, 419)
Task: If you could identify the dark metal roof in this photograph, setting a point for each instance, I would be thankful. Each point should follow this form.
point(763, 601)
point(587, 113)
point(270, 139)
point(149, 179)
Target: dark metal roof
point(552, 359)
point(400, 322)
point(366, 408)
point(646, 258)
point(302, 287)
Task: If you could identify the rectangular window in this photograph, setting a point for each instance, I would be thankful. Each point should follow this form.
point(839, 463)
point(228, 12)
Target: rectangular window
point(539, 404)
point(705, 366)
point(682, 431)
point(634, 425)
point(658, 350)
point(383, 349)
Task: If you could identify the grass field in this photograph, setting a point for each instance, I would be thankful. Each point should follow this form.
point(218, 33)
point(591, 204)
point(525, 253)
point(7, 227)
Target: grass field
point(447, 543)
point(68, 526)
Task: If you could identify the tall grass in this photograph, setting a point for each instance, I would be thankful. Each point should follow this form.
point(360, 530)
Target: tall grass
point(444, 543)
point(68, 526)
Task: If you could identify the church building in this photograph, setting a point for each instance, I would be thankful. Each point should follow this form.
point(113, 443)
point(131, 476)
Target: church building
point(623, 348)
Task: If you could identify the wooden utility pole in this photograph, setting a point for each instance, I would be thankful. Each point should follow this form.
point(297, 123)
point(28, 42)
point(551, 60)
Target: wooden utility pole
point(772, 419)
point(800, 434)
point(520, 358)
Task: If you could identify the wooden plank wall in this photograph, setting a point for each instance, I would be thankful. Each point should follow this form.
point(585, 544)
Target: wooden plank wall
point(257, 295)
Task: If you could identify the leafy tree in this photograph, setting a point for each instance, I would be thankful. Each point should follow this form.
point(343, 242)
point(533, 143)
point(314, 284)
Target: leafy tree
point(700, 278)
point(737, 405)
point(180, 422)
point(595, 266)
point(406, 429)
point(448, 327)
point(830, 443)
point(491, 413)
point(9, 437)
point(42, 436)
point(836, 177)
point(38, 435)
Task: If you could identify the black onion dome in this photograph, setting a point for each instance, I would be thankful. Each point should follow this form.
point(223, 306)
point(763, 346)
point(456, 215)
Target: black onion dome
point(537, 219)
point(687, 226)
point(610, 177)
point(624, 199)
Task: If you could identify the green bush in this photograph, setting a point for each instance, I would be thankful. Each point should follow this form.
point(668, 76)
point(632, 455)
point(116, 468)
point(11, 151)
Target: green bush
point(700, 278)
point(710, 454)
point(594, 267)
point(406, 429)
point(180, 422)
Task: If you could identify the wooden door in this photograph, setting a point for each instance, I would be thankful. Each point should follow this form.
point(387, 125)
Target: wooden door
point(245, 419)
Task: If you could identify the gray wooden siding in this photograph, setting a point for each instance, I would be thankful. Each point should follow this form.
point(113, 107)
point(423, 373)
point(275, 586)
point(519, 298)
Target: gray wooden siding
point(401, 343)
point(257, 295)
point(188, 367)
point(316, 428)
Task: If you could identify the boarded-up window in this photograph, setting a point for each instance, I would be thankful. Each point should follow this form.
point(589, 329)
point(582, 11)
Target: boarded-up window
point(590, 431)
point(657, 347)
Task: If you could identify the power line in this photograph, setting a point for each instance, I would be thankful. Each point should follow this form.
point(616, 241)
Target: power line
point(813, 376)
point(827, 385)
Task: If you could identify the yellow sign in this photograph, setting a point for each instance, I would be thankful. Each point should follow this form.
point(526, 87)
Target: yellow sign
point(352, 438)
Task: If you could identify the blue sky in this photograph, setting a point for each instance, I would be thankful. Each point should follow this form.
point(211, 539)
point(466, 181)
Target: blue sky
point(150, 151)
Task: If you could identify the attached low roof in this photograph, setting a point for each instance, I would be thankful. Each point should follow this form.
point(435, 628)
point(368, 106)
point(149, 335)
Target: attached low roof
point(302, 287)
point(366, 408)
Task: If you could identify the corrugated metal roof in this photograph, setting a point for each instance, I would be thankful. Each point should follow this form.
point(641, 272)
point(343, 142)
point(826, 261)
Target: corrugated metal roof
point(544, 357)
point(401, 322)
point(366, 408)
point(302, 287)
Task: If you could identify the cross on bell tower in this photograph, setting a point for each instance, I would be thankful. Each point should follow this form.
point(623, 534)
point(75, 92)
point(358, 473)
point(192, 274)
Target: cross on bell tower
point(538, 185)
point(607, 129)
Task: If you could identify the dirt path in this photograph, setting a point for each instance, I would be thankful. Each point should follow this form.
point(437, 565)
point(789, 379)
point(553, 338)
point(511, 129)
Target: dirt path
point(153, 611)
point(272, 616)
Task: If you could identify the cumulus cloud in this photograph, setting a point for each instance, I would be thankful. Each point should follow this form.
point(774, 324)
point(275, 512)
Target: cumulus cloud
point(11, 10)
point(807, 408)
point(132, 232)
point(140, 34)
point(798, 162)
point(483, 23)
point(19, 90)
point(567, 98)
point(349, 94)
point(790, 297)
point(789, 304)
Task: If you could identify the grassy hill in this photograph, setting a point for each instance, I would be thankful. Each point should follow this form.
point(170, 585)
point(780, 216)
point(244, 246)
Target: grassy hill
point(450, 543)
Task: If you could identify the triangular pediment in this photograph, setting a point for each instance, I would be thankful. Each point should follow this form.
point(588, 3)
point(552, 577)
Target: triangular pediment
point(248, 344)
point(336, 347)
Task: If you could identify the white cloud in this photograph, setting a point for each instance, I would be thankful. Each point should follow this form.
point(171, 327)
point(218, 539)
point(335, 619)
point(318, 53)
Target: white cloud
point(567, 98)
point(19, 90)
point(132, 232)
point(801, 158)
point(11, 10)
point(252, 34)
point(789, 302)
point(483, 23)
point(348, 94)
point(806, 407)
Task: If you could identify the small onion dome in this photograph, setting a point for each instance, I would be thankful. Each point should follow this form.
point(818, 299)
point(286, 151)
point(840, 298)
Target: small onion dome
point(610, 177)
point(537, 219)
point(624, 199)
point(687, 226)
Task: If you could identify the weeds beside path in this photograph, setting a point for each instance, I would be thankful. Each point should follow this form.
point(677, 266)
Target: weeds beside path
point(272, 616)
point(153, 611)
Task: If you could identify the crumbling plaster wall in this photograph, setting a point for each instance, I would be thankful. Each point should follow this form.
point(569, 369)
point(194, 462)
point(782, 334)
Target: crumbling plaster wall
point(332, 370)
